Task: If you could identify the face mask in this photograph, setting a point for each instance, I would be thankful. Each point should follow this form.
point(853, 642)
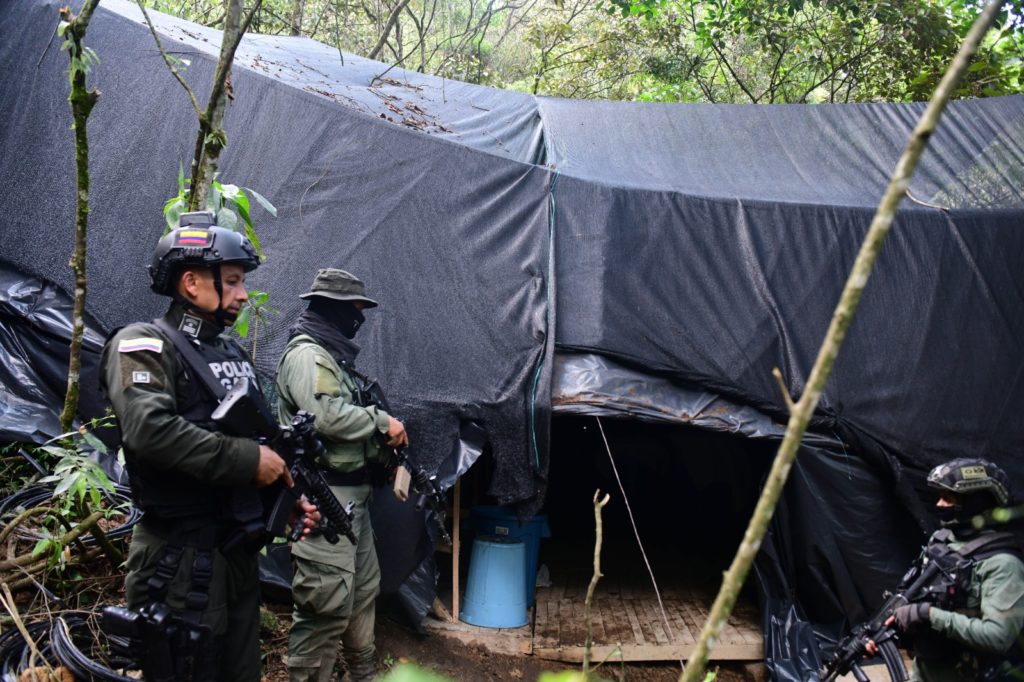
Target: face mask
point(341, 315)
point(349, 320)
point(946, 515)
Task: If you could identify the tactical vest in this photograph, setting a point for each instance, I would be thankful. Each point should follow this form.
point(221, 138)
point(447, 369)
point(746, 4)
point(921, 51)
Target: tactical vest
point(170, 495)
point(339, 456)
point(934, 647)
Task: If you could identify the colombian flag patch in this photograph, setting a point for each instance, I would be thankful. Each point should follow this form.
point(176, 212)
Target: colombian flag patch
point(139, 344)
point(193, 238)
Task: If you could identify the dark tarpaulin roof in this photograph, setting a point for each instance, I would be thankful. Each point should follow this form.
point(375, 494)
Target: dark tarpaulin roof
point(378, 199)
point(695, 245)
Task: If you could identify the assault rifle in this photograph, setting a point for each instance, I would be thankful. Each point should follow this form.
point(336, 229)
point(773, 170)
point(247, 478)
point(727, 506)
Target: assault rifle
point(937, 576)
point(243, 412)
point(423, 484)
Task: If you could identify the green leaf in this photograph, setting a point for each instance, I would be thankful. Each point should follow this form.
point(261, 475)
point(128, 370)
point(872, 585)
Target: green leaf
point(214, 201)
point(229, 192)
point(63, 27)
point(56, 449)
point(173, 209)
point(41, 546)
point(99, 479)
point(65, 484)
point(251, 235)
point(262, 201)
point(95, 443)
point(227, 218)
point(80, 487)
point(241, 202)
point(241, 325)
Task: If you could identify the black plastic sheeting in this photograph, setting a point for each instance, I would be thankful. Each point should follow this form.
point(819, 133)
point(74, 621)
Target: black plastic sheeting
point(35, 335)
point(701, 244)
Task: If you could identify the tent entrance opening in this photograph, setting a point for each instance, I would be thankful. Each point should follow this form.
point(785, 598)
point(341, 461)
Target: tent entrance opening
point(691, 492)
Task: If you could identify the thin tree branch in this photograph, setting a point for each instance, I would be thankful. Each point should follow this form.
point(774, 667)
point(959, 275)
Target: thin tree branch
point(167, 60)
point(599, 503)
point(392, 20)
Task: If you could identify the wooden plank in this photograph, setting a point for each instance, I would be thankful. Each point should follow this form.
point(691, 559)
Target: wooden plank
point(635, 653)
point(653, 612)
point(545, 631)
point(612, 616)
point(692, 616)
point(634, 622)
point(729, 634)
point(646, 624)
point(684, 635)
point(456, 544)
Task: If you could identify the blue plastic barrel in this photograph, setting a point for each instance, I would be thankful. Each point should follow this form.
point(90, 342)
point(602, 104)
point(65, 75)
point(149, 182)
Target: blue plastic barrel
point(502, 522)
point(495, 594)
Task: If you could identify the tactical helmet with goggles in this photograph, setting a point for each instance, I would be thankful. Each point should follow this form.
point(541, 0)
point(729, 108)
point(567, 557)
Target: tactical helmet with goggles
point(964, 477)
point(198, 242)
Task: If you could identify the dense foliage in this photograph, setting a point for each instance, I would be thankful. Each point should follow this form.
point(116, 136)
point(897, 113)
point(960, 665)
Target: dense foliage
point(767, 51)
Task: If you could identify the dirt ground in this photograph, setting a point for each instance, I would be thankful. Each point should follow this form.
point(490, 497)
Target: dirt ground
point(459, 662)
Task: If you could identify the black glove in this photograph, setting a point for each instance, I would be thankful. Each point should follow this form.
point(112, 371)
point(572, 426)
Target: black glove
point(912, 617)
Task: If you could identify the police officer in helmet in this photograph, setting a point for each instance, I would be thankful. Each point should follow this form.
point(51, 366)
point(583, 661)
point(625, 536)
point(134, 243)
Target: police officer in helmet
point(195, 548)
point(977, 637)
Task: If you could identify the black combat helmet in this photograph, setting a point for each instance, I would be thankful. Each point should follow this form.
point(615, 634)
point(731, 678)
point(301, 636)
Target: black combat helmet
point(965, 478)
point(198, 242)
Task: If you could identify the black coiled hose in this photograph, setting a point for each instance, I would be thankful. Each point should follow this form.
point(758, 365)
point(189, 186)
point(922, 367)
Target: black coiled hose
point(74, 659)
point(36, 495)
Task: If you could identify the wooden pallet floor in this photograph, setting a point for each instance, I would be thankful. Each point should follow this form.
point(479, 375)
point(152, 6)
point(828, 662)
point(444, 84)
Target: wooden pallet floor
point(627, 618)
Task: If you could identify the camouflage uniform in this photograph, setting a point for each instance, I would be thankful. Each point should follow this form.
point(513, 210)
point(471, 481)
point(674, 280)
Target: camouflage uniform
point(987, 625)
point(334, 586)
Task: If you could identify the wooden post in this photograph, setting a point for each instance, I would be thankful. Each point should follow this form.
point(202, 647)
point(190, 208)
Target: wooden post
point(456, 516)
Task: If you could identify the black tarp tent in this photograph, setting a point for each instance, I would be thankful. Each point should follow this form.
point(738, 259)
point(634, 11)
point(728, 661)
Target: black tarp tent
point(669, 255)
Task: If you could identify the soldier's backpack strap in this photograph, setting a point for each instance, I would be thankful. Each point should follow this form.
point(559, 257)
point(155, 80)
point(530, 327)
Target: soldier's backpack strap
point(192, 358)
point(990, 544)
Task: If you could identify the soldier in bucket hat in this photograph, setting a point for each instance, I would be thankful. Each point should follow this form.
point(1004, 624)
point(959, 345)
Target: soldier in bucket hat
point(334, 586)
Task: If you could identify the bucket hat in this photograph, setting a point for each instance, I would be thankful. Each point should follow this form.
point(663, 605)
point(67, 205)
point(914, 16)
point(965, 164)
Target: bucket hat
point(340, 286)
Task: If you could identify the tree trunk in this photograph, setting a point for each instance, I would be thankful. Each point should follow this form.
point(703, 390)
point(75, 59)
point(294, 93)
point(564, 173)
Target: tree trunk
point(297, 6)
point(82, 101)
point(211, 139)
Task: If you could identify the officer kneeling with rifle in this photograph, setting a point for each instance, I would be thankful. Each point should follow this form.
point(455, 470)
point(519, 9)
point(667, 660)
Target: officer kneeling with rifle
point(192, 588)
point(960, 608)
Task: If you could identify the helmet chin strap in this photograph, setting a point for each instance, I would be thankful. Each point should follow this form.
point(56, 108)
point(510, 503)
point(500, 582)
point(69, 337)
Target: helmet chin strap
point(220, 316)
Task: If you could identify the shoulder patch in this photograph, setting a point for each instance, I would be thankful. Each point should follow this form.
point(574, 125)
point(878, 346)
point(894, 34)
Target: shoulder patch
point(139, 344)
